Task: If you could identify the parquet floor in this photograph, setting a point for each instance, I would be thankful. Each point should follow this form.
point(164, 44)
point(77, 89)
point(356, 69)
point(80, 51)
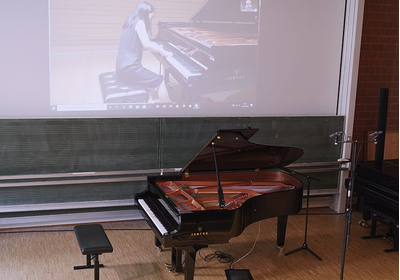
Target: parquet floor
point(51, 253)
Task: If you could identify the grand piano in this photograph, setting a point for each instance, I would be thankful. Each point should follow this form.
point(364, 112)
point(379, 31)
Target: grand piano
point(215, 51)
point(229, 184)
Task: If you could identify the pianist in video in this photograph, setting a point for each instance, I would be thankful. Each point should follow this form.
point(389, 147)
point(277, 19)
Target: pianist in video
point(135, 39)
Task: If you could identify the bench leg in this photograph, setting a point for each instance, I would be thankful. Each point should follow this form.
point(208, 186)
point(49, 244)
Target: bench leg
point(373, 225)
point(373, 228)
point(88, 263)
point(96, 267)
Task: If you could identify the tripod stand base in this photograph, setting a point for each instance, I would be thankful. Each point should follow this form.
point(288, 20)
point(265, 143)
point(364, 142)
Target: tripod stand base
point(304, 247)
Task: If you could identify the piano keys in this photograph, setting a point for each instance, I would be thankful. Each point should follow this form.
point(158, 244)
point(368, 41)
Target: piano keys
point(215, 51)
point(187, 66)
point(184, 210)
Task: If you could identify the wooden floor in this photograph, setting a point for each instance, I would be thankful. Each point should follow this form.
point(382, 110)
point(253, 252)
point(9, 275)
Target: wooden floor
point(51, 253)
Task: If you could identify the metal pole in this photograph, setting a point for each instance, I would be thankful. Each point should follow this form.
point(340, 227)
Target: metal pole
point(346, 236)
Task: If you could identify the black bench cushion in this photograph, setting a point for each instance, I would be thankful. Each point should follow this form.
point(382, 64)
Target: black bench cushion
point(92, 239)
point(114, 91)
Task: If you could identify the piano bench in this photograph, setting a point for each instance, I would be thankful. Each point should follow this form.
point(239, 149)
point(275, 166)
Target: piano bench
point(384, 215)
point(117, 92)
point(93, 242)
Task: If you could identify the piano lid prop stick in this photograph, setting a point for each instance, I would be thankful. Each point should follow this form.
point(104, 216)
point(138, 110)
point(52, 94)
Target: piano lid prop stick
point(220, 191)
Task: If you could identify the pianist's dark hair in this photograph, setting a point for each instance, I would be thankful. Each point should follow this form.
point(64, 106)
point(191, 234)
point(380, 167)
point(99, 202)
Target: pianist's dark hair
point(142, 11)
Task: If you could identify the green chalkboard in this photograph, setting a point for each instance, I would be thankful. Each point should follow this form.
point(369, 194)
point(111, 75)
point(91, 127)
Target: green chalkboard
point(52, 146)
point(182, 138)
point(78, 145)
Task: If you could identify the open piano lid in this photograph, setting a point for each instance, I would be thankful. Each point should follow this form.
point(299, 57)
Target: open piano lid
point(235, 152)
point(224, 11)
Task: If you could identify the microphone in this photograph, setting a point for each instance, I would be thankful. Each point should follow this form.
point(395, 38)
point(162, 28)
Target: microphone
point(376, 133)
point(336, 136)
point(375, 136)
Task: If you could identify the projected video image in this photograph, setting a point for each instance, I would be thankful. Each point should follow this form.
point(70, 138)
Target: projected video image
point(153, 55)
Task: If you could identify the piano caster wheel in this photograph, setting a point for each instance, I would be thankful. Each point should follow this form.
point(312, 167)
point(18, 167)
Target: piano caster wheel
point(281, 248)
point(364, 223)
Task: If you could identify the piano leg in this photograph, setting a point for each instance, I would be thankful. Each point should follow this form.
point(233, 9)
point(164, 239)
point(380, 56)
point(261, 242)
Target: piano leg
point(190, 259)
point(157, 242)
point(282, 222)
point(176, 259)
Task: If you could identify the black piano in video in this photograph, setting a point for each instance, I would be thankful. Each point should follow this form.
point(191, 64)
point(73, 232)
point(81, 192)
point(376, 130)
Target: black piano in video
point(216, 51)
point(202, 205)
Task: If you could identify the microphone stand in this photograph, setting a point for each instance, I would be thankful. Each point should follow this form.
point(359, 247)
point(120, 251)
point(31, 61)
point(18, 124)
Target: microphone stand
point(305, 245)
point(221, 200)
point(348, 210)
point(350, 190)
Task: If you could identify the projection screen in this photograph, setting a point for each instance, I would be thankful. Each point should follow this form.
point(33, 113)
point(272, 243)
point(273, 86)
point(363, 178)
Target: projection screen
point(225, 58)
